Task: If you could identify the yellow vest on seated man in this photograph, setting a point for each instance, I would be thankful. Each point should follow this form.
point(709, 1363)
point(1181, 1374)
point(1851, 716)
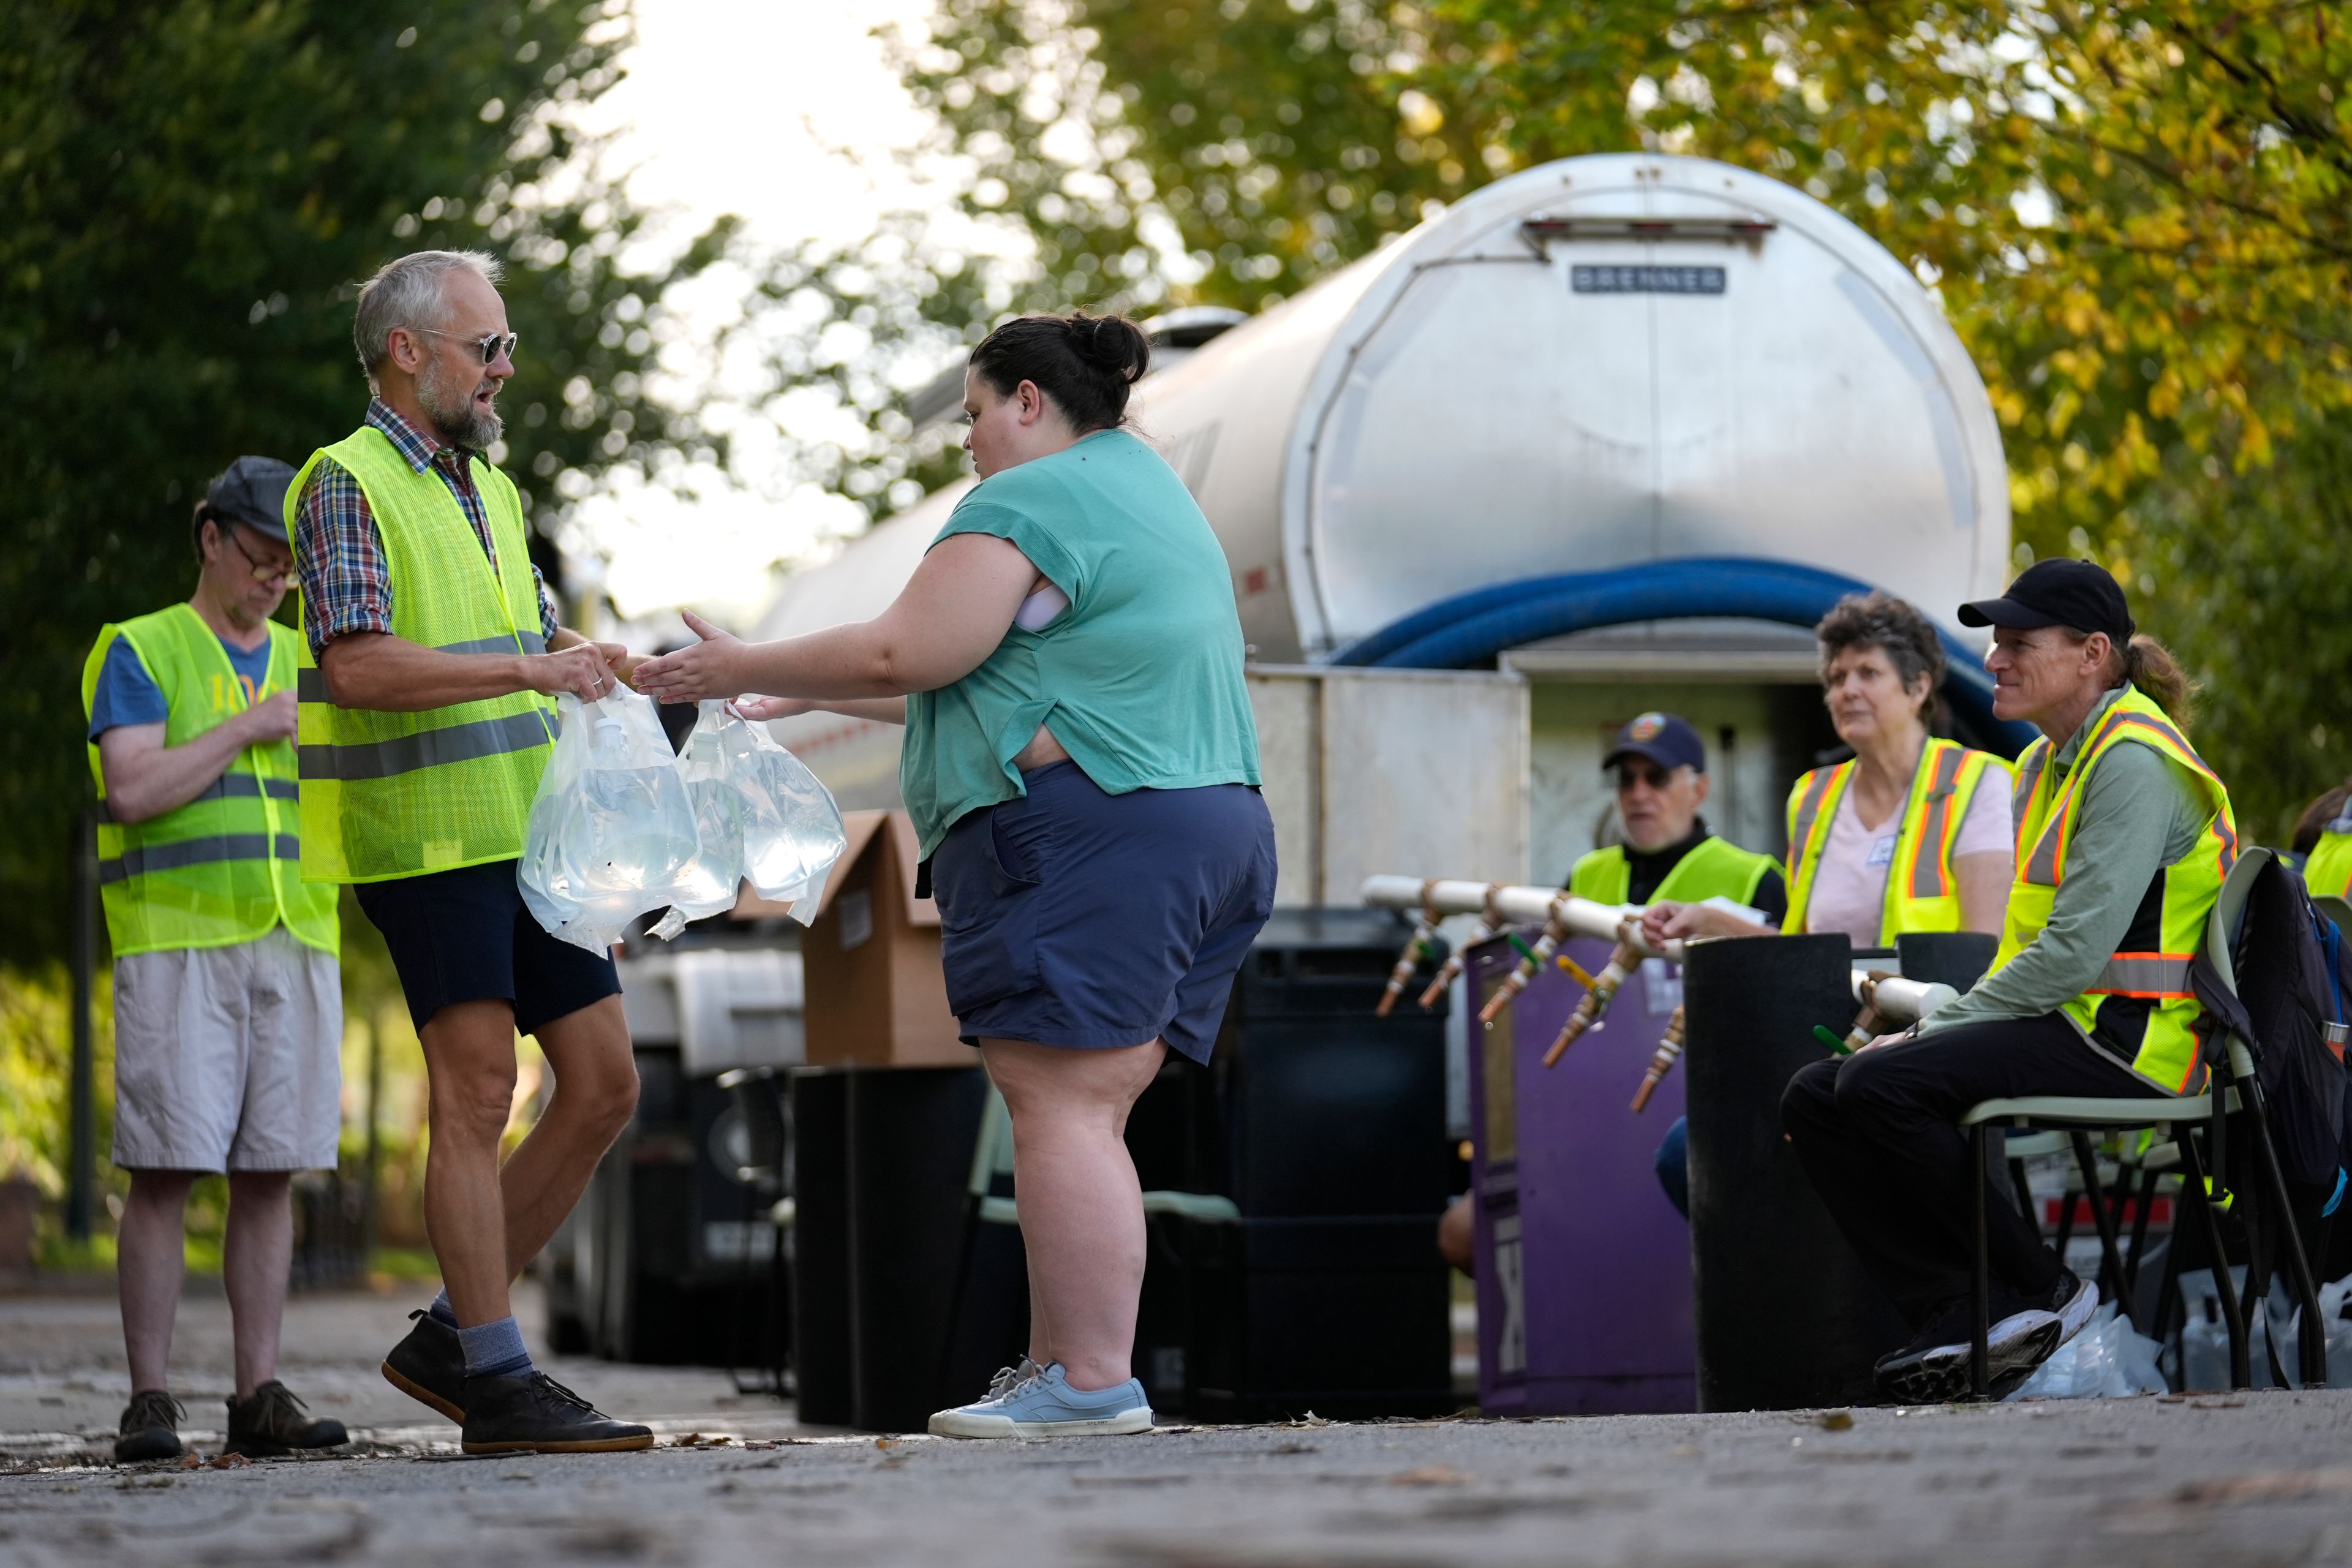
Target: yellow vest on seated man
point(1922, 889)
point(1714, 868)
point(399, 794)
point(2141, 1011)
point(224, 868)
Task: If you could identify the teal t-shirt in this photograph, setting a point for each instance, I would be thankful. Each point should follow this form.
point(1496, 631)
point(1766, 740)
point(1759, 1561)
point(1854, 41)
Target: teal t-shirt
point(1140, 678)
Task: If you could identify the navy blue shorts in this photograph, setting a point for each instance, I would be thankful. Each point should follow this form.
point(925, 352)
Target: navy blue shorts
point(1076, 918)
point(466, 936)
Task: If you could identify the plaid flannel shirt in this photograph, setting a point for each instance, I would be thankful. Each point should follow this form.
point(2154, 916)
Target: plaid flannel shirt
point(338, 553)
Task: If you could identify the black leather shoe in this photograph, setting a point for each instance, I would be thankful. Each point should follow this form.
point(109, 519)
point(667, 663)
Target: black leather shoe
point(150, 1429)
point(274, 1422)
point(429, 1365)
point(537, 1414)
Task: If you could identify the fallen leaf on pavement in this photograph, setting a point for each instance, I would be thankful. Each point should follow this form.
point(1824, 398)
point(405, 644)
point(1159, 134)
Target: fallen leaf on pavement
point(1432, 1476)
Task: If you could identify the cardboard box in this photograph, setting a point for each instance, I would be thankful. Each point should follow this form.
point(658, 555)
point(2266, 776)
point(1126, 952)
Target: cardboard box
point(870, 960)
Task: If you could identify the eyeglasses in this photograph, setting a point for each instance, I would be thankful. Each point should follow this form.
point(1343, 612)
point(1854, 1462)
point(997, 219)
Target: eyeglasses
point(263, 571)
point(490, 345)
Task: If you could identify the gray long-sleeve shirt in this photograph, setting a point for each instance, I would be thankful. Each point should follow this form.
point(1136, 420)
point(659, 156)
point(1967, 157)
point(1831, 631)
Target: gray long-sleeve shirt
point(2137, 817)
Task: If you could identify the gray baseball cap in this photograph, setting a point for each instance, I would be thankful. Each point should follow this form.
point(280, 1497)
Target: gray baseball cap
point(252, 490)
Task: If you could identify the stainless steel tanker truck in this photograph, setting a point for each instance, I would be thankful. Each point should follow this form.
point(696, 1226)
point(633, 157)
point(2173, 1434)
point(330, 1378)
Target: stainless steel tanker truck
point(1608, 436)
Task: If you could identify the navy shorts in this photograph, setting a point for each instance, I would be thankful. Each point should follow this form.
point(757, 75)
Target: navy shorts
point(1075, 918)
point(466, 936)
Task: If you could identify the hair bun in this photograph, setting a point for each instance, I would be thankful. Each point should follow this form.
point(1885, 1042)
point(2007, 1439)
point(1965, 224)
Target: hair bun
point(1112, 344)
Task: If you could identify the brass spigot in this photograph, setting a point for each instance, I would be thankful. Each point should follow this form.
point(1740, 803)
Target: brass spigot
point(1592, 1011)
point(1669, 1049)
point(1415, 950)
point(1532, 961)
point(1489, 922)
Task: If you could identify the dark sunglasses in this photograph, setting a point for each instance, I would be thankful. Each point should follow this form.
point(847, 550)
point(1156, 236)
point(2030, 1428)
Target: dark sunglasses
point(490, 346)
point(1650, 773)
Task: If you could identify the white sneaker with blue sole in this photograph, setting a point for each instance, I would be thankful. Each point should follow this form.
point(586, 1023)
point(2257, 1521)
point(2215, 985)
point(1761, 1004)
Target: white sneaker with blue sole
point(1045, 1405)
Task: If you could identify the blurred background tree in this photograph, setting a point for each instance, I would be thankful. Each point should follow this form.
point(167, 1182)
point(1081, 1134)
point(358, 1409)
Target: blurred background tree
point(189, 195)
point(2135, 215)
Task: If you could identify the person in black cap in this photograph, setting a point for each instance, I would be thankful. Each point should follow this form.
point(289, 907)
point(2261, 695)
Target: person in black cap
point(2124, 837)
point(228, 1015)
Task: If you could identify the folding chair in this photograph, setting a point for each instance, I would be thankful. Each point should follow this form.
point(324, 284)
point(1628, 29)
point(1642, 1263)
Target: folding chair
point(2234, 1078)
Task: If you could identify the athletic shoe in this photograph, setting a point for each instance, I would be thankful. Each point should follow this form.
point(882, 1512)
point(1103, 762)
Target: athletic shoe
point(2074, 1301)
point(274, 1422)
point(1045, 1405)
point(149, 1429)
point(537, 1414)
point(1934, 1367)
point(1009, 1378)
point(429, 1365)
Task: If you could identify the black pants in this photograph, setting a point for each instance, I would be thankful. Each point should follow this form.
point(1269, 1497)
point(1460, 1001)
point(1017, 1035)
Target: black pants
point(1878, 1132)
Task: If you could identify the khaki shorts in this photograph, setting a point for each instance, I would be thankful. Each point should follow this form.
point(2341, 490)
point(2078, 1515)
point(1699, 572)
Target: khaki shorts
point(229, 1059)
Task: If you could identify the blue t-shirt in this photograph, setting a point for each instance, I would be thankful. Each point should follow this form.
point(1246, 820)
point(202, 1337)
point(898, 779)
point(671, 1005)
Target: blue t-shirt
point(127, 694)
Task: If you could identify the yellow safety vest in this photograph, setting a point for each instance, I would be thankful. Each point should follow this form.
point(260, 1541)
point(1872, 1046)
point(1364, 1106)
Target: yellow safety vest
point(1714, 868)
point(2141, 1011)
point(224, 868)
point(1923, 891)
point(2330, 868)
point(400, 795)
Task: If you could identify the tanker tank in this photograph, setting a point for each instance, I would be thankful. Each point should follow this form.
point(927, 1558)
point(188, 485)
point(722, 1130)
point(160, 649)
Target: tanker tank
point(1701, 394)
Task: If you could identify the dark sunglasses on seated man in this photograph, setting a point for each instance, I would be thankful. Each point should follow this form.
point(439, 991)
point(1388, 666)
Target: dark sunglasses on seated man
point(1641, 771)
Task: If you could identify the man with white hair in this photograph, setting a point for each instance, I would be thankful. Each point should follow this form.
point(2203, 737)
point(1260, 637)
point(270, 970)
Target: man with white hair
point(429, 656)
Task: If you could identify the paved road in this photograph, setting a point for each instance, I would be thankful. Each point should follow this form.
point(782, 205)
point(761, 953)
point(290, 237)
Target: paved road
point(2242, 1480)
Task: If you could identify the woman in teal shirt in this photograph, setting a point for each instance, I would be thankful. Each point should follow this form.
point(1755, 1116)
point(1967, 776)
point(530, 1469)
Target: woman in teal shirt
point(1081, 767)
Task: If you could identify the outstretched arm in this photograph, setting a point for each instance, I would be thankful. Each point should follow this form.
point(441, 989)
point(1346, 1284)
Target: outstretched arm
point(947, 620)
point(880, 710)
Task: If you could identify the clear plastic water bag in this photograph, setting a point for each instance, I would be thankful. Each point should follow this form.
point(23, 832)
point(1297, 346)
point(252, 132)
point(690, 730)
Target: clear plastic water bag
point(612, 833)
point(763, 818)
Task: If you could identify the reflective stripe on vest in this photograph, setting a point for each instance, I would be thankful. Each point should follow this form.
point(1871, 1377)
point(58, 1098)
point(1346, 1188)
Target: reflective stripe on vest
point(398, 794)
point(198, 852)
point(1931, 847)
point(2146, 975)
point(427, 749)
point(222, 867)
point(2158, 1041)
point(311, 683)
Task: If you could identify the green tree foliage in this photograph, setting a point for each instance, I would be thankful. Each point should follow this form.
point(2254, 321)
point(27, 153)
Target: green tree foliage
point(2136, 215)
point(189, 194)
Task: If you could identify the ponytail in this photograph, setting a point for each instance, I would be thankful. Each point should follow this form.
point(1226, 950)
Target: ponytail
point(2148, 665)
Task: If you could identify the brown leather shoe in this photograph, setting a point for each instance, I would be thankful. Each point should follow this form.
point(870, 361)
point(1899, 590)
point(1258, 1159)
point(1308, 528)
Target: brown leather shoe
point(273, 1423)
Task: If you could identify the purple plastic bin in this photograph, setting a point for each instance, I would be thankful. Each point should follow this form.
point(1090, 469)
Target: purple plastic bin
point(1584, 1271)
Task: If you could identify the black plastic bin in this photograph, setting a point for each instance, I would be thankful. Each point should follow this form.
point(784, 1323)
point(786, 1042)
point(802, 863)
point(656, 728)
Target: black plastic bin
point(1346, 1316)
point(902, 1305)
point(1786, 1317)
point(670, 1255)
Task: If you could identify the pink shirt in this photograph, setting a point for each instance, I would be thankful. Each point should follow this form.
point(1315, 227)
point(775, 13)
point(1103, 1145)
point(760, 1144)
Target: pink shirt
point(1850, 884)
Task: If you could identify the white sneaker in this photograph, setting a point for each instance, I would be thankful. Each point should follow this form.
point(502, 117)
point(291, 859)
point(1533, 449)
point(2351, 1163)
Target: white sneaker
point(1045, 1405)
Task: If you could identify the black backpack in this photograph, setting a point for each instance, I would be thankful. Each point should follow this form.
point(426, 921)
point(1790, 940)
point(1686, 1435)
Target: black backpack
point(2289, 1007)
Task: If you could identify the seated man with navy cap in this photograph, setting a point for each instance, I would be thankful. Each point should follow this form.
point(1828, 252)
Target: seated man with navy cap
point(1669, 860)
point(1668, 853)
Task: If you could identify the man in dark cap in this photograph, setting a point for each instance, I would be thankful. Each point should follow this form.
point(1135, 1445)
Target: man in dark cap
point(1668, 854)
point(227, 1000)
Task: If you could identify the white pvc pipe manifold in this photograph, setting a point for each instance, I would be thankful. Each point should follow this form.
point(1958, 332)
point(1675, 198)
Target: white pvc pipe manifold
point(1520, 905)
point(1895, 997)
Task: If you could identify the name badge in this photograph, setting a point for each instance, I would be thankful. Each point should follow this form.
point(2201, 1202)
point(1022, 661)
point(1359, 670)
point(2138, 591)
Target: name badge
point(1882, 852)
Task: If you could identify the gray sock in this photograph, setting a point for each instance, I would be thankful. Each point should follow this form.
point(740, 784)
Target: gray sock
point(494, 1350)
point(442, 1311)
